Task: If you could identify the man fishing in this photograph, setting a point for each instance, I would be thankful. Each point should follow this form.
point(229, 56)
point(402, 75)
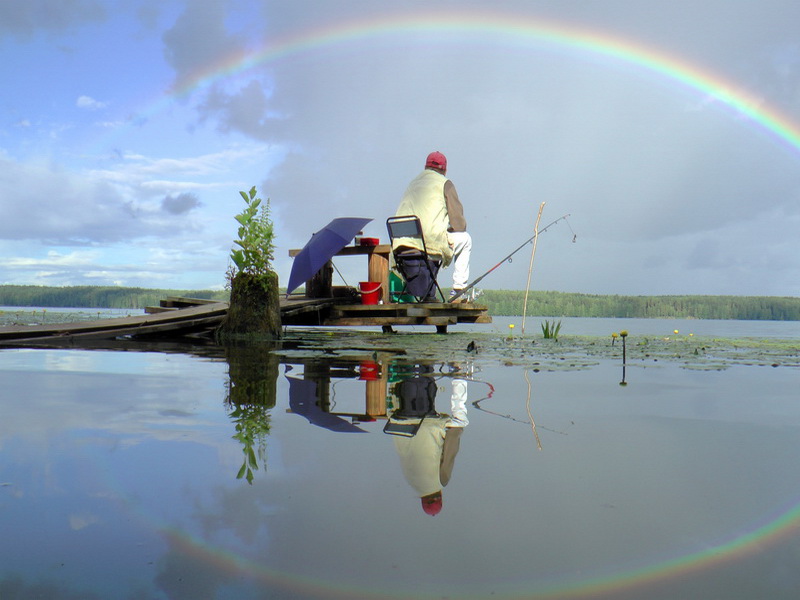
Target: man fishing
point(433, 199)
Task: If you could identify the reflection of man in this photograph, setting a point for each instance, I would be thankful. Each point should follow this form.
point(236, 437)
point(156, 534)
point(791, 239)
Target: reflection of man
point(428, 457)
point(433, 198)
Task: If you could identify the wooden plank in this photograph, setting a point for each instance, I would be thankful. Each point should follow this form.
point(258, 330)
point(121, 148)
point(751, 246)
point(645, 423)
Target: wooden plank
point(184, 326)
point(419, 310)
point(185, 302)
point(153, 310)
point(432, 306)
point(385, 249)
point(376, 321)
point(114, 325)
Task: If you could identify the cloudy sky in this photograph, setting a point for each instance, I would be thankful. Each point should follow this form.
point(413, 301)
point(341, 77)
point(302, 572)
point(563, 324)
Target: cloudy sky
point(669, 131)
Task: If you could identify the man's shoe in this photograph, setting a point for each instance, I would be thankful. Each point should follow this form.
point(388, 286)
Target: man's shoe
point(454, 293)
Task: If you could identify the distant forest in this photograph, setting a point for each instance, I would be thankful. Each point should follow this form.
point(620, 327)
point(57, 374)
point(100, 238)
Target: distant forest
point(500, 302)
point(561, 304)
point(94, 296)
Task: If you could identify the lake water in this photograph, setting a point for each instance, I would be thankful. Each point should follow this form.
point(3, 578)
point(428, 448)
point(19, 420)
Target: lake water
point(294, 473)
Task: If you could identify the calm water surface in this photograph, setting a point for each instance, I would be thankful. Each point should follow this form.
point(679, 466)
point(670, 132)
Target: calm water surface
point(188, 476)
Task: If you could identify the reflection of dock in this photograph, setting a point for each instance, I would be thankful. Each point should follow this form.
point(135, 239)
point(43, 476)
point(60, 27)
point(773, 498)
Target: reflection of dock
point(373, 372)
point(192, 317)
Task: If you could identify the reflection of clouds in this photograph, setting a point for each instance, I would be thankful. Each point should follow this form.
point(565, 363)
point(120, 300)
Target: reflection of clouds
point(111, 363)
point(12, 490)
point(120, 363)
point(81, 521)
point(16, 587)
point(136, 396)
point(85, 449)
point(185, 575)
point(236, 511)
point(196, 567)
point(70, 362)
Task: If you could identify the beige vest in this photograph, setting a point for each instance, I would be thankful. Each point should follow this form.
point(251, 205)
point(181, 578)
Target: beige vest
point(424, 198)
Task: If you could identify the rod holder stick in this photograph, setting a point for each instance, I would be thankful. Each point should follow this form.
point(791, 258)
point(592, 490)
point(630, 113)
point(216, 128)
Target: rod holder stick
point(530, 267)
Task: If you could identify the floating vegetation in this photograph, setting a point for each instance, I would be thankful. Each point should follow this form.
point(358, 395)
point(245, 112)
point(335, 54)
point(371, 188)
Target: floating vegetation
point(43, 316)
point(570, 353)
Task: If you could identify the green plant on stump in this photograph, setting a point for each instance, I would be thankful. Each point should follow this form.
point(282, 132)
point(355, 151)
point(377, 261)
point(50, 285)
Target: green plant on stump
point(254, 305)
point(255, 247)
point(550, 330)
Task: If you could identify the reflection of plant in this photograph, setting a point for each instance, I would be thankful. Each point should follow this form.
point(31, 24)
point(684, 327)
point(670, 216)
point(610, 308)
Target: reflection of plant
point(550, 330)
point(252, 428)
point(250, 397)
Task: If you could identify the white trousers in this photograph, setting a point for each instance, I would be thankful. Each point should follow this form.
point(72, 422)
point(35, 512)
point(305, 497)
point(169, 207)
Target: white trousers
point(462, 248)
point(458, 404)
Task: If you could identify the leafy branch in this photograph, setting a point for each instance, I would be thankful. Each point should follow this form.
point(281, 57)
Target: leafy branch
point(255, 250)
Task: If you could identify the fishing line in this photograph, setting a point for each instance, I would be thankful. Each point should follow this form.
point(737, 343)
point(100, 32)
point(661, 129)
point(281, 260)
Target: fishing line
point(574, 235)
point(508, 258)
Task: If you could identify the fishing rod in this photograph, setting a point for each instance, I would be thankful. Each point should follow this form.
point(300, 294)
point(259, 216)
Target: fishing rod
point(521, 246)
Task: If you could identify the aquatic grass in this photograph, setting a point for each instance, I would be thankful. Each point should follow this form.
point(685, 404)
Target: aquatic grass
point(551, 330)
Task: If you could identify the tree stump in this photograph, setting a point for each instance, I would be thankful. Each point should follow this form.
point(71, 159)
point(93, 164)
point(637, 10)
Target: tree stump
point(254, 310)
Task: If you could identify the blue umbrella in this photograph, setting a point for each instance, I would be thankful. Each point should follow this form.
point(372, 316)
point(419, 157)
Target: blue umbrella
point(322, 246)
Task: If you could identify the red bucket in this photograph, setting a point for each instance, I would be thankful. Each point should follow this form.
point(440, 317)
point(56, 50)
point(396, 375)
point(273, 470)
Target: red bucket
point(368, 371)
point(370, 291)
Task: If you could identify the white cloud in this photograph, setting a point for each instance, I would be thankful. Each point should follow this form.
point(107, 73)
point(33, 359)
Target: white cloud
point(80, 258)
point(89, 103)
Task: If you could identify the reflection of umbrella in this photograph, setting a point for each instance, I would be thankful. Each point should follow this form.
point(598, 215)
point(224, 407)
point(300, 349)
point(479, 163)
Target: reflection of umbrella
point(321, 248)
point(303, 401)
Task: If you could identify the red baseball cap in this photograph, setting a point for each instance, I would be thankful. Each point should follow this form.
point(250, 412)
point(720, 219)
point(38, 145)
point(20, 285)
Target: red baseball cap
point(432, 504)
point(436, 160)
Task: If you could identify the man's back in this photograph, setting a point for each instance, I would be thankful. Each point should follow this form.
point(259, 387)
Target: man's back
point(424, 198)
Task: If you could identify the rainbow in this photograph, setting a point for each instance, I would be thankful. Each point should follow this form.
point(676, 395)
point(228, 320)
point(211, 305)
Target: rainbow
point(505, 30)
point(521, 32)
point(769, 533)
point(641, 580)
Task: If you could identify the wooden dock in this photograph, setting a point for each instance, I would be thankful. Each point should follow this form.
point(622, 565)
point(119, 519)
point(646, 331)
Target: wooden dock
point(343, 312)
point(194, 317)
point(191, 320)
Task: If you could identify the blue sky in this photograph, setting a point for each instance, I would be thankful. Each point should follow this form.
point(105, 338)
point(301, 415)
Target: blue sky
point(108, 177)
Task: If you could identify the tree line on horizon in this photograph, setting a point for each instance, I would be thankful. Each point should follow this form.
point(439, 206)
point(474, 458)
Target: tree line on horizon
point(565, 304)
point(499, 302)
point(87, 296)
